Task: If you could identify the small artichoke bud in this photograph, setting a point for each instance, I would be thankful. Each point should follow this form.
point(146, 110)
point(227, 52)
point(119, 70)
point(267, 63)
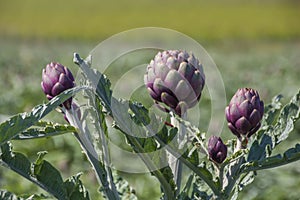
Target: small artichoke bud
point(244, 112)
point(57, 78)
point(217, 150)
point(176, 79)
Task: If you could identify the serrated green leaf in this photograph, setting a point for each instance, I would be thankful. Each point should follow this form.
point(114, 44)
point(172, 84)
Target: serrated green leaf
point(291, 155)
point(15, 161)
point(49, 176)
point(47, 131)
point(75, 189)
point(99, 81)
point(289, 114)
point(124, 121)
point(45, 174)
point(258, 150)
point(20, 122)
point(271, 111)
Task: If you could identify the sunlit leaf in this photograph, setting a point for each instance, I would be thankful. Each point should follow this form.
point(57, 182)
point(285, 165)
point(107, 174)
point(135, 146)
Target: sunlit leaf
point(288, 116)
point(20, 122)
point(278, 124)
point(271, 111)
point(46, 131)
point(291, 155)
point(99, 81)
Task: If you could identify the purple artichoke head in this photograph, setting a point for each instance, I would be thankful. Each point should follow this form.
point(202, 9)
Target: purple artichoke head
point(217, 150)
point(57, 78)
point(244, 112)
point(176, 79)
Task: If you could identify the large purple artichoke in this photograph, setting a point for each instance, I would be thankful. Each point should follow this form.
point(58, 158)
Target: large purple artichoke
point(244, 112)
point(217, 150)
point(57, 78)
point(176, 79)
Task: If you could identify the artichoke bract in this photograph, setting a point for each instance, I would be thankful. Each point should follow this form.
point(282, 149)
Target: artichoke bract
point(244, 112)
point(175, 78)
point(217, 150)
point(57, 78)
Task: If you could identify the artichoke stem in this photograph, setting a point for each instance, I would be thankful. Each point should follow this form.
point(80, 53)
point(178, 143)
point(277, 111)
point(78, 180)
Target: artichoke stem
point(89, 150)
point(175, 164)
point(241, 143)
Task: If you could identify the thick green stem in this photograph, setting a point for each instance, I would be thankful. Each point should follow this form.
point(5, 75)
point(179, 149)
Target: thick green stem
point(101, 128)
point(174, 162)
point(194, 168)
point(234, 168)
point(167, 189)
point(92, 156)
point(221, 176)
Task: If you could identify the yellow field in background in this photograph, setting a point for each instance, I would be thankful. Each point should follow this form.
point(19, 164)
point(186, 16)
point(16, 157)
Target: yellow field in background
point(97, 19)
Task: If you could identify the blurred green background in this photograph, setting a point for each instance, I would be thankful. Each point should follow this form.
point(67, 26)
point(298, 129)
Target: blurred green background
point(254, 44)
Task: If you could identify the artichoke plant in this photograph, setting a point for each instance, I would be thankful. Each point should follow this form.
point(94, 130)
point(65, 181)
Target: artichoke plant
point(244, 112)
point(176, 79)
point(217, 150)
point(57, 78)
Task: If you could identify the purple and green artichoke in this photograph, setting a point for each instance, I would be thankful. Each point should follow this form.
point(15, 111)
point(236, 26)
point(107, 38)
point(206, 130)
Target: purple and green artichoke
point(176, 79)
point(244, 112)
point(57, 78)
point(217, 150)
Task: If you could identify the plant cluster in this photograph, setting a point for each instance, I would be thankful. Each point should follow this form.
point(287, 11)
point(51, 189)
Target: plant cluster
point(175, 80)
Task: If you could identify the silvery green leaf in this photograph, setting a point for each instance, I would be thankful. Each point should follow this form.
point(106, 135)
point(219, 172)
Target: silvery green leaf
point(290, 155)
point(48, 130)
point(287, 118)
point(20, 122)
point(271, 111)
point(99, 81)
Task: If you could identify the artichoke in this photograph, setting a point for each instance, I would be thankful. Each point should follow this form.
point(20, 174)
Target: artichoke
point(176, 79)
point(244, 112)
point(217, 150)
point(57, 78)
